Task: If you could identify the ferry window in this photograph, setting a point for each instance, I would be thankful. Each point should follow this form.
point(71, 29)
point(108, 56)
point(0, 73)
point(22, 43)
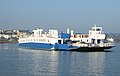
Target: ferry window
point(59, 41)
point(87, 40)
point(98, 41)
point(98, 29)
point(93, 41)
point(82, 36)
point(74, 41)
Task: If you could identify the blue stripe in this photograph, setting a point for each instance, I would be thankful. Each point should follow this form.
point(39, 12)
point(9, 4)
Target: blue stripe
point(47, 46)
point(64, 47)
point(36, 45)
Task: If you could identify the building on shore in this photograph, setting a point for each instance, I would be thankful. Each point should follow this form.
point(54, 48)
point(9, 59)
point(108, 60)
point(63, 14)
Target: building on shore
point(12, 35)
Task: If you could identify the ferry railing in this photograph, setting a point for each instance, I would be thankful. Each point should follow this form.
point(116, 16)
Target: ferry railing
point(106, 44)
point(94, 45)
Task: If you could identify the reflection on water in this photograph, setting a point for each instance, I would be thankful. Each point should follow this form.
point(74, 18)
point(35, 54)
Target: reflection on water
point(64, 63)
point(7, 46)
point(96, 63)
point(40, 62)
point(17, 61)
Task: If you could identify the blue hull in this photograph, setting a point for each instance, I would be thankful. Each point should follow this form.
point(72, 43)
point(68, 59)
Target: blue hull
point(47, 46)
point(36, 45)
point(63, 47)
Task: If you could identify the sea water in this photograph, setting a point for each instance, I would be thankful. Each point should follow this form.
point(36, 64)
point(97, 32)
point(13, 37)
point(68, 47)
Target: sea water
point(17, 61)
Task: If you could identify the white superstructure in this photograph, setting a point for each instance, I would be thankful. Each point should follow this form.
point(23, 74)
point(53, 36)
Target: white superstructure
point(38, 36)
point(96, 36)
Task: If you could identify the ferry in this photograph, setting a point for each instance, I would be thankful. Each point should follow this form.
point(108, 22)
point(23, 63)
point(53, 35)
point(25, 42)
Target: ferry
point(96, 40)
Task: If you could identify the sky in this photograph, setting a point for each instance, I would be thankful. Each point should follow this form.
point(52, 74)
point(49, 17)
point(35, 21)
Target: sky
point(77, 15)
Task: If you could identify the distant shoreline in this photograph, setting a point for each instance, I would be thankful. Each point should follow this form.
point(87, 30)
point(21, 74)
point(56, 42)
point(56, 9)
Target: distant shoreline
point(8, 40)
